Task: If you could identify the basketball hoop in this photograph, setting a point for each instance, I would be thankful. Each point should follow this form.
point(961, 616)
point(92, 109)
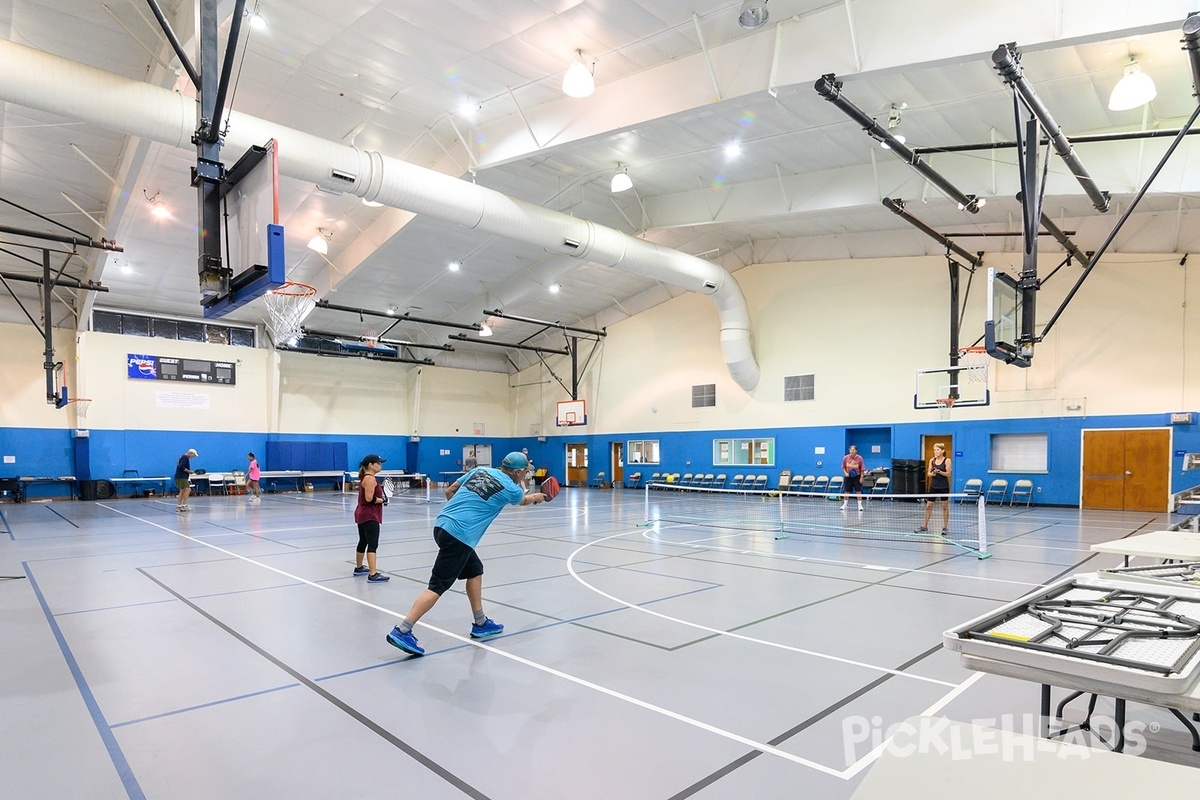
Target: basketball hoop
point(80, 404)
point(945, 406)
point(974, 357)
point(288, 305)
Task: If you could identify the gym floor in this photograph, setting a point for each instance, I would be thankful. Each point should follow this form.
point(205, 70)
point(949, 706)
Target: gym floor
point(230, 653)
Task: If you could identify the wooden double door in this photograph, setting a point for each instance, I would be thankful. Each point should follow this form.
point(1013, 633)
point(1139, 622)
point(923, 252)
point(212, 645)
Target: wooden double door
point(1126, 470)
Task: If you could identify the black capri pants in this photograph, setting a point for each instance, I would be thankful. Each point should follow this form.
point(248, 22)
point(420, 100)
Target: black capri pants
point(368, 536)
point(455, 561)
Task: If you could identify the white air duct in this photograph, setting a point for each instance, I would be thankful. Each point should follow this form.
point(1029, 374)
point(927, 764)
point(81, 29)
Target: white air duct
point(48, 83)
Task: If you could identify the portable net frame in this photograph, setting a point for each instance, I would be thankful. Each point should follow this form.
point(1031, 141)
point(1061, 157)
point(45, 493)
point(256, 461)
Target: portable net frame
point(288, 306)
point(893, 517)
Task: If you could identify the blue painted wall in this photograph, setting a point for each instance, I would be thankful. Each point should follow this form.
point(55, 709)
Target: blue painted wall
point(47, 451)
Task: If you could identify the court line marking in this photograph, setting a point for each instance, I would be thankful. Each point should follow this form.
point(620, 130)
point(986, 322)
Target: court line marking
point(704, 726)
point(719, 632)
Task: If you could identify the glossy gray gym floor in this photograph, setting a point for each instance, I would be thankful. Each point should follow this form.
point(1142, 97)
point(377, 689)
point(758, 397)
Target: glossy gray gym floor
point(229, 653)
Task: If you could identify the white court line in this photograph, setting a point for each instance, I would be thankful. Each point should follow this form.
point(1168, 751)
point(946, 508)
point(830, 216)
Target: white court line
point(762, 746)
point(833, 561)
point(870, 758)
point(742, 637)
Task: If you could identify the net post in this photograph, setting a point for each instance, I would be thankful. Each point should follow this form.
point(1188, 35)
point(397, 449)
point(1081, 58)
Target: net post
point(980, 502)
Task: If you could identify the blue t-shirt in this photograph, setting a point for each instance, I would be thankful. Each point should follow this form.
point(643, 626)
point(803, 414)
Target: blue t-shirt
point(482, 495)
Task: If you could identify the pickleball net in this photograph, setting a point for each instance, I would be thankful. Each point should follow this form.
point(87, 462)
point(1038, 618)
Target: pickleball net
point(894, 517)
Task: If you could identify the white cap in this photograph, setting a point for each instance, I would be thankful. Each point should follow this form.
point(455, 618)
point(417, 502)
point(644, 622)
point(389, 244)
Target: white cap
point(191, 452)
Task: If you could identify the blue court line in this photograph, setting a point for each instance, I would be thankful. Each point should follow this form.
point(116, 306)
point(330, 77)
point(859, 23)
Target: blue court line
point(56, 513)
point(222, 701)
point(7, 529)
point(124, 771)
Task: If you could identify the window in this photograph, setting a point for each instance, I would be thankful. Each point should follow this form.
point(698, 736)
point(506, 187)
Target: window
point(799, 387)
point(643, 452)
point(743, 452)
point(704, 395)
point(1019, 452)
point(177, 329)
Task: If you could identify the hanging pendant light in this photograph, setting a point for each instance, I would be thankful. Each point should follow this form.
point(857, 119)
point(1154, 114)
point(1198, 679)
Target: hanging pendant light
point(1135, 89)
point(578, 81)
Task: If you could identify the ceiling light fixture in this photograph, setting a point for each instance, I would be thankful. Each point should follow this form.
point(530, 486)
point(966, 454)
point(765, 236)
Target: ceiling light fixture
point(320, 242)
point(621, 181)
point(554, 288)
point(733, 149)
point(1135, 89)
point(371, 203)
point(257, 21)
point(157, 207)
point(753, 14)
point(485, 330)
point(454, 266)
point(578, 80)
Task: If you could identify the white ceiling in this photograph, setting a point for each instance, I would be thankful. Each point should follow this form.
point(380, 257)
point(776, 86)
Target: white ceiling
point(677, 80)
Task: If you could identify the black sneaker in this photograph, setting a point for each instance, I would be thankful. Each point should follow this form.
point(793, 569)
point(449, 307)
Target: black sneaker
point(378, 577)
point(358, 571)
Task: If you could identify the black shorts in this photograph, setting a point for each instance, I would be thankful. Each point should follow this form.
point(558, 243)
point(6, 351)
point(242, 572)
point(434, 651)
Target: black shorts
point(455, 562)
point(853, 483)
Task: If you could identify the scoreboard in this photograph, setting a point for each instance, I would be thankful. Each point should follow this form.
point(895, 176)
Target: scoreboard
point(187, 370)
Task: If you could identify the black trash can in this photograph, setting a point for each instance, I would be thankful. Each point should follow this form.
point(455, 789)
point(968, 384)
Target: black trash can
point(97, 490)
point(87, 490)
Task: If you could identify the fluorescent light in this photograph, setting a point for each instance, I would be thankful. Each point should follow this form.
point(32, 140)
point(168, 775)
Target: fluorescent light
point(621, 181)
point(578, 81)
point(454, 266)
point(485, 330)
point(1135, 89)
point(371, 203)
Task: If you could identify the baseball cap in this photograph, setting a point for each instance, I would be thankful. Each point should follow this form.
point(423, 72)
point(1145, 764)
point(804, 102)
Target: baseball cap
point(191, 452)
point(515, 461)
point(371, 459)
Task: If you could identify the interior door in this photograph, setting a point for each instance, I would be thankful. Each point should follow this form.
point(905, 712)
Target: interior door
point(577, 455)
point(618, 465)
point(1104, 470)
point(1126, 470)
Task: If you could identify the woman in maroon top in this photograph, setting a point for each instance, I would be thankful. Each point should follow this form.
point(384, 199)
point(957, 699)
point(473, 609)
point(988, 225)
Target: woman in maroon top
point(369, 516)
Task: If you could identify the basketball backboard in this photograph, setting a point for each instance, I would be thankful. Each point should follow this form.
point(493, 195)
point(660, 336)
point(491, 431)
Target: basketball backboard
point(966, 385)
point(571, 412)
point(254, 254)
point(1003, 326)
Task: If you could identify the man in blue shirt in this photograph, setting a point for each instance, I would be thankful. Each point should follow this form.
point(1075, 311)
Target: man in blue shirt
point(475, 500)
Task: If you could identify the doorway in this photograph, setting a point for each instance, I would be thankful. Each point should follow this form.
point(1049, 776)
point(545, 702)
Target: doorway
point(479, 455)
point(577, 464)
point(618, 464)
point(1126, 470)
point(927, 443)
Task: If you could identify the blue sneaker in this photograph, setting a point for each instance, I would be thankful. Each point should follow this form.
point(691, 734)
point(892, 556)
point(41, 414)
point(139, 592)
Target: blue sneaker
point(405, 641)
point(362, 571)
point(488, 628)
point(378, 577)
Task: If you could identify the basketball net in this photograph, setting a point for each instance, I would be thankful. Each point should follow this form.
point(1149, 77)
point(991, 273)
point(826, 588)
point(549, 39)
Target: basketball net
point(288, 306)
point(974, 357)
point(81, 405)
point(945, 406)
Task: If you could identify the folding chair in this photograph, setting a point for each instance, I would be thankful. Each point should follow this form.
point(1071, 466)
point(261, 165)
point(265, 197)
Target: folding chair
point(706, 482)
point(821, 484)
point(881, 485)
point(785, 480)
point(835, 485)
point(597, 482)
point(719, 481)
point(760, 482)
point(655, 478)
point(997, 490)
point(973, 487)
point(634, 481)
point(738, 482)
point(804, 484)
point(1022, 491)
point(686, 480)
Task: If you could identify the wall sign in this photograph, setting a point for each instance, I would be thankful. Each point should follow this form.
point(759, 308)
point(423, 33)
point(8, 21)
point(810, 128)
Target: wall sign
point(196, 370)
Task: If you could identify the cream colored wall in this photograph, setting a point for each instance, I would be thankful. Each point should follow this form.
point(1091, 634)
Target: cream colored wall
point(23, 399)
point(453, 400)
point(1126, 344)
point(342, 395)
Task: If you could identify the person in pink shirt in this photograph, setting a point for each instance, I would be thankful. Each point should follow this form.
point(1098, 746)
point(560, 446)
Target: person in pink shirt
point(852, 472)
point(253, 473)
